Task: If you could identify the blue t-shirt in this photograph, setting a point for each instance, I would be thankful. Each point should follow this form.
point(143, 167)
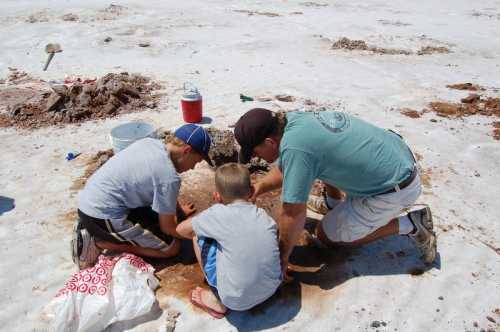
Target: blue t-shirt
point(141, 175)
point(343, 151)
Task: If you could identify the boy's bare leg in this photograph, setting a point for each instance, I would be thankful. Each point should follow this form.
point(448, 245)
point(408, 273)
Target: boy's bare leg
point(392, 228)
point(140, 251)
point(203, 296)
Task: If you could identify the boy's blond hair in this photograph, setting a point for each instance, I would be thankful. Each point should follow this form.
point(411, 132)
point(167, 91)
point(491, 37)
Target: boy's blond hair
point(171, 139)
point(232, 181)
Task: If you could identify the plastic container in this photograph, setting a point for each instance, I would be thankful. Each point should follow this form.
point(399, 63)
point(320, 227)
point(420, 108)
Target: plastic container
point(191, 104)
point(125, 134)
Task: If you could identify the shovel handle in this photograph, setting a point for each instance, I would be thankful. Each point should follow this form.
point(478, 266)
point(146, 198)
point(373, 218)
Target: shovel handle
point(49, 59)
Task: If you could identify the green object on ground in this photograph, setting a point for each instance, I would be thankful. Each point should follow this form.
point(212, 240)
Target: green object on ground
point(245, 98)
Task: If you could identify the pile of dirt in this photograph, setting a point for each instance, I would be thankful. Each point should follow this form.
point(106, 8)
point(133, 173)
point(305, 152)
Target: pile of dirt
point(224, 147)
point(426, 50)
point(106, 97)
point(465, 86)
point(411, 113)
point(496, 131)
point(16, 77)
point(470, 105)
point(93, 165)
point(361, 45)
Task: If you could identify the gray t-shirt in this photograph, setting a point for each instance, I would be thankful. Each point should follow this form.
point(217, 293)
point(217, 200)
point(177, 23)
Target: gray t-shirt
point(248, 258)
point(141, 175)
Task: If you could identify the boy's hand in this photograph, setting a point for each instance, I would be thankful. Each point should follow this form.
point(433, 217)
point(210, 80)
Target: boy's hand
point(188, 209)
point(255, 192)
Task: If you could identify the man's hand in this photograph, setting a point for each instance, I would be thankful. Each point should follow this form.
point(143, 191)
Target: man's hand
point(188, 208)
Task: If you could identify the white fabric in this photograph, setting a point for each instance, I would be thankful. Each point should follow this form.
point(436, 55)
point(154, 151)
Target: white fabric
point(357, 217)
point(116, 289)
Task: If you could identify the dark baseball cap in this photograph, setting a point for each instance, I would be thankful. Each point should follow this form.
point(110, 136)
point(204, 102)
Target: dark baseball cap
point(197, 137)
point(253, 128)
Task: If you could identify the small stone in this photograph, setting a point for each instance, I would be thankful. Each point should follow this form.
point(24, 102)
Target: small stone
point(472, 98)
point(70, 17)
point(285, 98)
point(53, 102)
point(144, 44)
point(475, 324)
point(433, 120)
point(491, 319)
point(476, 174)
point(441, 298)
point(108, 39)
point(375, 324)
point(384, 323)
point(437, 310)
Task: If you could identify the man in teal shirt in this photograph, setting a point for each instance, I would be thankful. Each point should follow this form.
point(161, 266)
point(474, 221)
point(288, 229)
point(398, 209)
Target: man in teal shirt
point(370, 176)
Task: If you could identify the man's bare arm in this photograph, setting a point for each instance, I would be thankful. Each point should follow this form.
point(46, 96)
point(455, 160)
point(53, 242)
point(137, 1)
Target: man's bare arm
point(292, 219)
point(168, 224)
point(272, 180)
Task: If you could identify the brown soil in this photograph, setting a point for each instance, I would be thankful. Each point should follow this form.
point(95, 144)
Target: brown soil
point(465, 86)
point(473, 104)
point(496, 131)
point(426, 50)
point(93, 165)
point(410, 113)
point(361, 45)
point(252, 12)
point(77, 102)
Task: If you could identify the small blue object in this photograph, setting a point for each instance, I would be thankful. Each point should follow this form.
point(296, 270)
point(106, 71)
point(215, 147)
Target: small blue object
point(72, 155)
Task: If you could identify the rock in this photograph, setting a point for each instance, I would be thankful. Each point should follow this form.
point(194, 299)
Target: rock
point(144, 44)
point(375, 324)
point(108, 39)
point(60, 89)
point(441, 298)
point(53, 102)
point(472, 98)
point(70, 17)
point(264, 99)
point(491, 319)
point(285, 98)
point(476, 324)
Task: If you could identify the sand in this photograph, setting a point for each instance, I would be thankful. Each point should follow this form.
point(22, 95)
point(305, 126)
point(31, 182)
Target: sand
point(225, 51)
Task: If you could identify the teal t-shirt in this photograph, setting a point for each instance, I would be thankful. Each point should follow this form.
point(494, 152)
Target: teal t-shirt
point(341, 150)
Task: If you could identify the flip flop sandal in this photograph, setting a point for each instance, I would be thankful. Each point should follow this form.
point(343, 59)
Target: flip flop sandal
point(204, 307)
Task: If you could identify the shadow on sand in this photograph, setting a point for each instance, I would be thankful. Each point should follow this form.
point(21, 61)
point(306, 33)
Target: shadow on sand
point(6, 204)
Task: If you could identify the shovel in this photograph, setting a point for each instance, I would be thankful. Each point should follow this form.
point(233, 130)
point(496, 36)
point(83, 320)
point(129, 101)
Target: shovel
point(51, 49)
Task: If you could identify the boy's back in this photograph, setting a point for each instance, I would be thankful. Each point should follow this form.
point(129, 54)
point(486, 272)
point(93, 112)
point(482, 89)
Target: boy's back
point(248, 260)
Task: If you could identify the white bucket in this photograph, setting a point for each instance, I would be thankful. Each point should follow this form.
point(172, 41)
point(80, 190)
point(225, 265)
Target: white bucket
point(125, 134)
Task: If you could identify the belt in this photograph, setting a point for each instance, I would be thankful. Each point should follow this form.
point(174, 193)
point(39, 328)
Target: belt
point(403, 184)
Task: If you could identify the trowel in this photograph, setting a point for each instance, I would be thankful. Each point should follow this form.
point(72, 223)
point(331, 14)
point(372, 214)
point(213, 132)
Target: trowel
point(51, 50)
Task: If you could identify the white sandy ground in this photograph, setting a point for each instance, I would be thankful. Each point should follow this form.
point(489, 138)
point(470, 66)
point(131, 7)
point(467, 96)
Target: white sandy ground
point(226, 52)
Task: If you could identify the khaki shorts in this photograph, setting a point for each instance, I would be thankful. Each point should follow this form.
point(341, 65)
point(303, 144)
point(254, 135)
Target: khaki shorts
point(357, 217)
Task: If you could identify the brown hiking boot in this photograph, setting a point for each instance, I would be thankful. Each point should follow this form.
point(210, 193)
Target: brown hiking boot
point(424, 236)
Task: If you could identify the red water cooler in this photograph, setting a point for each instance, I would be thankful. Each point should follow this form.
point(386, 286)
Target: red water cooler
point(191, 104)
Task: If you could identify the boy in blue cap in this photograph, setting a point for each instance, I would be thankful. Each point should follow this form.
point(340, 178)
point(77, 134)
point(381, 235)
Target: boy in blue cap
point(130, 204)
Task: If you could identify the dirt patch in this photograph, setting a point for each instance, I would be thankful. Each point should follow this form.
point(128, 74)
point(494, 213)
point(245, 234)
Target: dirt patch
point(361, 45)
point(93, 165)
point(410, 113)
point(427, 50)
point(473, 104)
point(465, 86)
point(253, 12)
point(496, 131)
point(79, 101)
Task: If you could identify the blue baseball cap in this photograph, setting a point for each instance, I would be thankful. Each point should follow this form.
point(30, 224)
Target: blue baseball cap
point(197, 137)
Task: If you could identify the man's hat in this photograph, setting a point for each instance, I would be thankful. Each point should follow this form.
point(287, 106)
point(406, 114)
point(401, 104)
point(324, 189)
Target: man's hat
point(252, 129)
point(197, 137)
